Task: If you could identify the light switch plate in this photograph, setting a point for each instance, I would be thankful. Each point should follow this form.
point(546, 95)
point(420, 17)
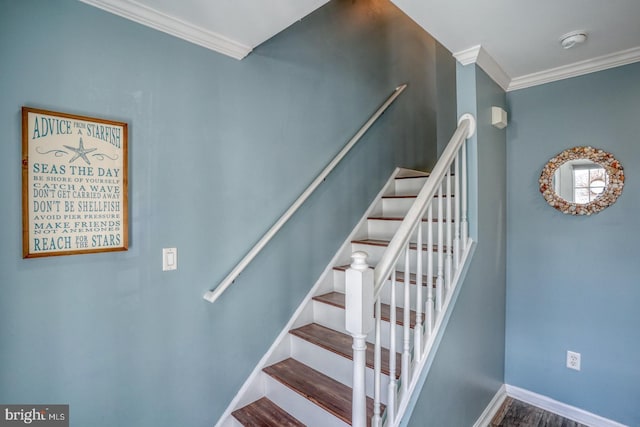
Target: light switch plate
point(169, 259)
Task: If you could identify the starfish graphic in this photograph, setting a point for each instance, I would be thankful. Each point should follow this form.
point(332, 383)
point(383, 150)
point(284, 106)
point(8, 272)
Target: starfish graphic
point(81, 152)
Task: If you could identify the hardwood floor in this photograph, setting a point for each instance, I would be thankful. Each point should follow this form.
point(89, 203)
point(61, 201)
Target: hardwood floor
point(514, 413)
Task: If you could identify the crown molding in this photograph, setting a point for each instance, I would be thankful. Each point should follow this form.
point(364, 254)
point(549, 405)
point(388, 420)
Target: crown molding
point(468, 56)
point(157, 20)
point(600, 63)
point(478, 55)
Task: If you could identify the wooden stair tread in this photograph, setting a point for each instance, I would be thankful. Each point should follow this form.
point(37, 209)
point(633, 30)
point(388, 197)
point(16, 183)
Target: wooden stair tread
point(413, 278)
point(409, 196)
point(341, 344)
point(320, 389)
point(399, 276)
point(345, 267)
point(411, 173)
point(337, 299)
point(384, 243)
point(399, 218)
point(265, 413)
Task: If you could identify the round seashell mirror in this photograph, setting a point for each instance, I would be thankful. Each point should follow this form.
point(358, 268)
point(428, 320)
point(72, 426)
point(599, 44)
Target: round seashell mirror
point(582, 181)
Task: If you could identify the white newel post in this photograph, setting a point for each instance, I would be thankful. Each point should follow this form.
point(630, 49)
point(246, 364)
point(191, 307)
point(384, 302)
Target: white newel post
point(359, 322)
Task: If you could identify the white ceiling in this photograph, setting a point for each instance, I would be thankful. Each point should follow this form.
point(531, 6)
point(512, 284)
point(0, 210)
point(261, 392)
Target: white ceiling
point(515, 41)
point(522, 37)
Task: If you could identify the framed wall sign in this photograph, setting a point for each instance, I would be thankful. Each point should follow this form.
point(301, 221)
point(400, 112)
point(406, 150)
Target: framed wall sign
point(74, 184)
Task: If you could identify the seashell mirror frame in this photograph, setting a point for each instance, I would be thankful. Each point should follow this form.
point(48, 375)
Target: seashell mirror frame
point(605, 199)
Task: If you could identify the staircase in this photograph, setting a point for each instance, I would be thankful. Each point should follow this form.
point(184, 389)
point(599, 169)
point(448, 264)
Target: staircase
point(357, 349)
point(307, 377)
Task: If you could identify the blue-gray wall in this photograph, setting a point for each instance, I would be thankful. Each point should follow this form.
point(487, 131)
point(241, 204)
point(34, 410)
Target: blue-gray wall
point(468, 369)
point(219, 148)
point(574, 281)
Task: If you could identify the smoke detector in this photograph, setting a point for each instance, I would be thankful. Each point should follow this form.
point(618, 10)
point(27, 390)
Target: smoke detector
point(573, 38)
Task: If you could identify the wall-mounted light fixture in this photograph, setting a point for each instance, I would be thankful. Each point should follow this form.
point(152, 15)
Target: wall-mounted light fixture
point(498, 117)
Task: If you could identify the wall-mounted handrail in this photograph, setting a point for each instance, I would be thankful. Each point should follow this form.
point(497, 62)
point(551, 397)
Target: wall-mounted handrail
point(213, 295)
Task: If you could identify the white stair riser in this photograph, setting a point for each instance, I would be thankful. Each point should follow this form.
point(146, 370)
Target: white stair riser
point(339, 281)
point(385, 337)
point(398, 207)
point(386, 229)
point(411, 186)
point(331, 364)
point(334, 318)
point(230, 422)
point(385, 294)
point(298, 406)
point(375, 253)
point(254, 392)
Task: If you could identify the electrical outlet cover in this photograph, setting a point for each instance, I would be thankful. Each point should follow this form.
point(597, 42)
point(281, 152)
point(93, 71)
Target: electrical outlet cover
point(573, 360)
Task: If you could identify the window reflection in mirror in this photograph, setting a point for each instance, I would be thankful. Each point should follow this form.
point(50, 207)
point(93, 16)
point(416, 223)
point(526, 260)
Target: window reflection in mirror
point(592, 177)
point(580, 181)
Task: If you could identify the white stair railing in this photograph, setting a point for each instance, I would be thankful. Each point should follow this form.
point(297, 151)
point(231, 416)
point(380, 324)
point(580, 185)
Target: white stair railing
point(448, 181)
point(214, 294)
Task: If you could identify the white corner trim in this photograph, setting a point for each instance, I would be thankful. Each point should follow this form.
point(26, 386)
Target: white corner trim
point(492, 408)
point(477, 54)
point(468, 56)
point(160, 21)
point(562, 409)
point(600, 63)
point(493, 69)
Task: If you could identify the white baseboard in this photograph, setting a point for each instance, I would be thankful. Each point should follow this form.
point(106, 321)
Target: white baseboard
point(492, 408)
point(562, 409)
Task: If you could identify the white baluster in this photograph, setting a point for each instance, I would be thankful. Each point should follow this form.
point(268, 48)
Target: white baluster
point(377, 368)
point(440, 278)
point(417, 329)
point(430, 273)
point(391, 398)
point(359, 321)
point(464, 223)
point(456, 221)
point(406, 326)
point(449, 261)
